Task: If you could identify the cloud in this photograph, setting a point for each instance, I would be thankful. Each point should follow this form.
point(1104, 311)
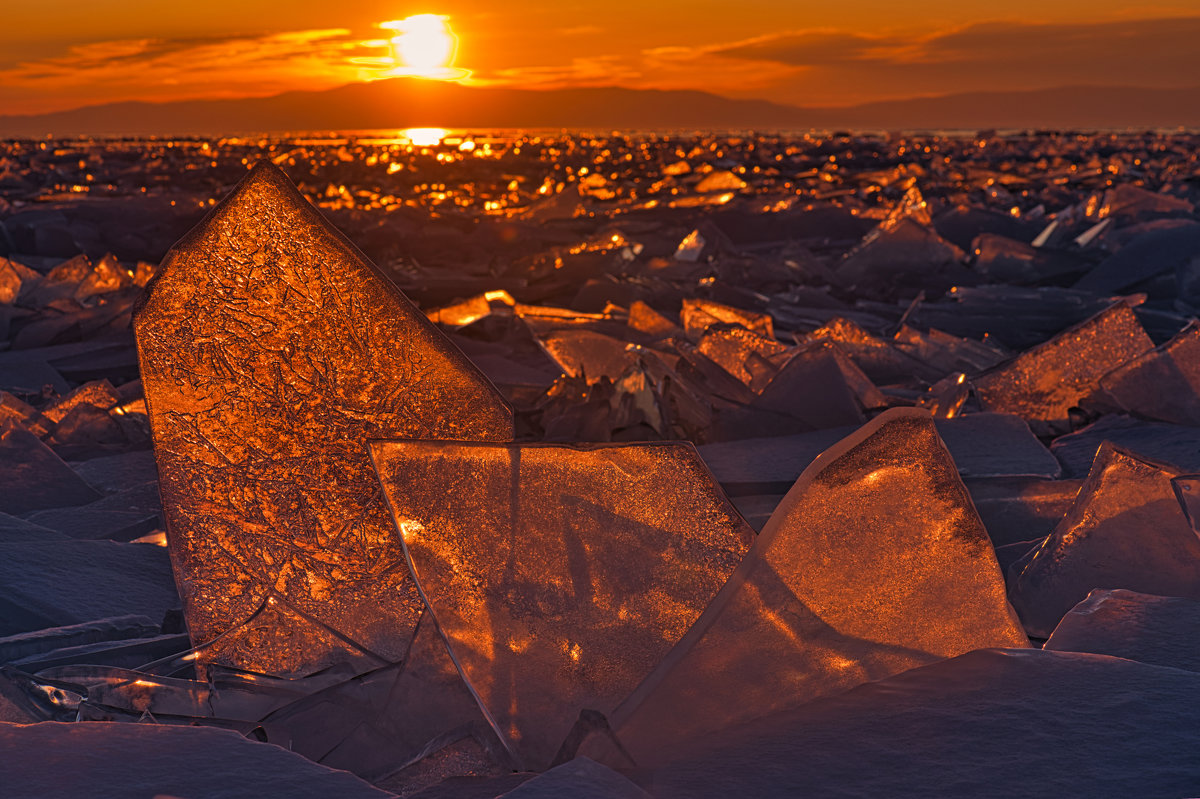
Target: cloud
point(581, 30)
point(252, 64)
point(837, 67)
point(594, 71)
point(813, 48)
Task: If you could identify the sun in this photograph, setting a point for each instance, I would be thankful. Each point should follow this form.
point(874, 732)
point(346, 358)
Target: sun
point(424, 46)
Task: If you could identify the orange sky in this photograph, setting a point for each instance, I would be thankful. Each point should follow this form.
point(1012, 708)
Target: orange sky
point(58, 54)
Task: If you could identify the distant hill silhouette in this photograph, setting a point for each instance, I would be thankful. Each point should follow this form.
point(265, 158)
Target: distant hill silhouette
point(405, 102)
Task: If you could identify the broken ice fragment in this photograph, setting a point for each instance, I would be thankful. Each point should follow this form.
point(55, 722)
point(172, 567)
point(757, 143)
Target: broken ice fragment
point(907, 251)
point(750, 357)
point(14, 529)
point(1163, 383)
point(691, 247)
point(1125, 530)
point(698, 315)
point(378, 722)
point(99, 393)
point(880, 359)
point(584, 353)
point(874, 563)
point(33, 476)
point(947, 353)
point(945, 398)
point(560, 575)
point(1178, 445)
point(270, 349)
point(1125, 624)
point(821, 387)
point(1044, 383)
point(1145, 256)
point(10, 282)
point(39, 642)
point(1021, 511)
point(1131, 202)
point(645, 319)
point(720, 180)
point(471, 310)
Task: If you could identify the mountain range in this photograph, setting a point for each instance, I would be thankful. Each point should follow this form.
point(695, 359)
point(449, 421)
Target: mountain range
point(406, 102)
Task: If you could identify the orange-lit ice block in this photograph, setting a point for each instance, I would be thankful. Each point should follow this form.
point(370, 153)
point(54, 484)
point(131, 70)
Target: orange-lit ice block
point(560, 575)
point(270, 349)
point(875, 562)
point(1126, 529)
point(1043, 383)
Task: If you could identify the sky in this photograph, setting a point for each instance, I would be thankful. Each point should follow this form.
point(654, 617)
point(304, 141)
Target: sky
point(61, 54)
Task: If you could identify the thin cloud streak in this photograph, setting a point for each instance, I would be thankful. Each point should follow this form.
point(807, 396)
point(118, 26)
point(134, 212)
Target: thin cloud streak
point(836, 65)
point(155, 69)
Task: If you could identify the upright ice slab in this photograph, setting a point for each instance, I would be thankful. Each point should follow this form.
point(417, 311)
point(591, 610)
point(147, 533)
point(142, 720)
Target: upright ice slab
point(270, 349)
point(875, 562)
point(559, 575)
point(1163, 383)
point(1042, 384)
point(1126, 529)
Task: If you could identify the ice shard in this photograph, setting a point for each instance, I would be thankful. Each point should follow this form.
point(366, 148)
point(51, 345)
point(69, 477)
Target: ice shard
point(587, 354)
point(270, 349)
point(1125, 624)
point(33, 476)
point(378, 722)
point(560, 575)
point(875, 562)
point(880, 359)
point(1126, 529)
point(698, 314)
point(821, 387)
point(904, 252)
point(749, 356)
point(1164, 383)
point(1044, 383)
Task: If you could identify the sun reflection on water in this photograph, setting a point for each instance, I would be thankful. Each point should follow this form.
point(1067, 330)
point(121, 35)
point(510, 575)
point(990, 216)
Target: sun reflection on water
point(424, 137)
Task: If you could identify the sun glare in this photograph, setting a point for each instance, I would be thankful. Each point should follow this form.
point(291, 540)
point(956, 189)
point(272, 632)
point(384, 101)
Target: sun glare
point(424, 46)
point(424, 137)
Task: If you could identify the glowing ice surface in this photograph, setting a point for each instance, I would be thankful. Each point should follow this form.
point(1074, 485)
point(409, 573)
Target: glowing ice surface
point(874, 563)
point(560, 575)
point(1125, 530)
point(1043, 383)
point(270, 349)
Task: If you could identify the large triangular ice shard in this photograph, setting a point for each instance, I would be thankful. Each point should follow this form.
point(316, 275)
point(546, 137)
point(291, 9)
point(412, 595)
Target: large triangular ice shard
point(875, 562)
point(560, 575)
point(1042, 384)
point(270, 348)
point(1126, 529)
